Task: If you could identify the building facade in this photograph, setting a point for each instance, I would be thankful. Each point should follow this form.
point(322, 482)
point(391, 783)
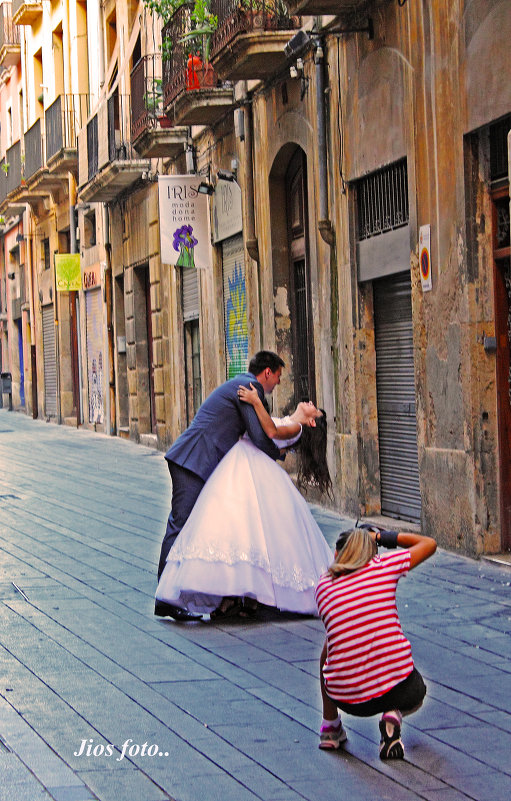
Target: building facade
point(357, 160)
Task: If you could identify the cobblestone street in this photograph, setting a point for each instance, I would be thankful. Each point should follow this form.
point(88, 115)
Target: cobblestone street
point(227, 711)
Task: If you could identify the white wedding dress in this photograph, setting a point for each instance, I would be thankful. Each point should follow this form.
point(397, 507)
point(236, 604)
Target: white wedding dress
point(250, 534)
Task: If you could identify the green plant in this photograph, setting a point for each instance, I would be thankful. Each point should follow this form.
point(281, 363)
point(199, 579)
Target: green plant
point(153, 98)
point(205, 24)
point(165, 9)
point(5, 167)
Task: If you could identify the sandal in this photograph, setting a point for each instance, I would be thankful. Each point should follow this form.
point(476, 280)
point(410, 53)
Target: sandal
point(391, 745)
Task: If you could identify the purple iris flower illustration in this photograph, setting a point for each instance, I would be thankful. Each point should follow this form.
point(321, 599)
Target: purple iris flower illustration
point(184, 242)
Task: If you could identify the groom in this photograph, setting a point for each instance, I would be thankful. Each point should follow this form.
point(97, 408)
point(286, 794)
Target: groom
point(216, 427)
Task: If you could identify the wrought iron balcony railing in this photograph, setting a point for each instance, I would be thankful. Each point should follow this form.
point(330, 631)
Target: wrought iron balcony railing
point(185, 61)
point(147, 96)
point(247, 16)
point(13, 160)
point(63, 119)
point(3, 181)
point(10, 50)
point(9, 32)
point(33, 143)
point(120, 147)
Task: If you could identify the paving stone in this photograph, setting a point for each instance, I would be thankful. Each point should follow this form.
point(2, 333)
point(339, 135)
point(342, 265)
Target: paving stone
point(236, 706)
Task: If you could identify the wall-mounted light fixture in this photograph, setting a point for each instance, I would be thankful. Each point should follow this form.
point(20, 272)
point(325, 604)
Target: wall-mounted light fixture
point(225, 175)
point(11, 276)
point(205, 188)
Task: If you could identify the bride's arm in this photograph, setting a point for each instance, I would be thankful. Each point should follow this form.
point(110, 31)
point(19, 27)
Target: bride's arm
point(267, 424)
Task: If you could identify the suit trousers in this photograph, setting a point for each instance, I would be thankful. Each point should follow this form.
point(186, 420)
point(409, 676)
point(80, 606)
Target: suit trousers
point(186, 487)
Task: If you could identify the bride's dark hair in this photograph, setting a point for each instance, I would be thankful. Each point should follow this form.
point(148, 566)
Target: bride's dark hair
point(312, 464)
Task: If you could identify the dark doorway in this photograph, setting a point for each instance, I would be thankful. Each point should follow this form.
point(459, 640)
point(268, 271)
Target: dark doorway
point(502, 285)
point(299, 280)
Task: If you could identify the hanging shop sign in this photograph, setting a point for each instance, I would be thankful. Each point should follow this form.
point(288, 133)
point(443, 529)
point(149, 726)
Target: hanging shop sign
point(68, 274)
point(184, 221)
point(425, 257)
point(227, 215)
point(92, 276)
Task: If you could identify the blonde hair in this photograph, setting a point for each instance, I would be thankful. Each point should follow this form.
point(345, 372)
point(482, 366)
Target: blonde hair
point(354, 551)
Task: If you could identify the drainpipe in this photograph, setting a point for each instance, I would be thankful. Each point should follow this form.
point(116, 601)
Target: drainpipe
point(251, 239)
point(324, 223)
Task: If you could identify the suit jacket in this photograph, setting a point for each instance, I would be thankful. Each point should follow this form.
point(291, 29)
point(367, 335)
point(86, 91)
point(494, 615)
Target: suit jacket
point(217, 426)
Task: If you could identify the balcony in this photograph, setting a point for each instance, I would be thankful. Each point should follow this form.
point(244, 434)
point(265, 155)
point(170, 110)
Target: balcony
point(3, 184)
point(63, 119)
point(339, 8)
point(192, 92)
point(23, 170)
point(26, 12)
point(107, 161)
point(250, 39)
point(152, 133)
point(10, 49)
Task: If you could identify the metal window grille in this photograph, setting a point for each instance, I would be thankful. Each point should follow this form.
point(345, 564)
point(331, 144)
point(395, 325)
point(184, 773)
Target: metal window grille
point(498, 149)
point(46, 254)
point(382, 200)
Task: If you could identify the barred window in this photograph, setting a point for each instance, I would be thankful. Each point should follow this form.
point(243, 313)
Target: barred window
point(382, 200)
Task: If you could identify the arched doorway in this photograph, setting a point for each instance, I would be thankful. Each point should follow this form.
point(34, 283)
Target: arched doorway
point(291, 274)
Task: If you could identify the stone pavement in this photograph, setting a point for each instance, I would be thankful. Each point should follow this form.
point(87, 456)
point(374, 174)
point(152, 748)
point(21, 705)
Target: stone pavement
point(101, 700)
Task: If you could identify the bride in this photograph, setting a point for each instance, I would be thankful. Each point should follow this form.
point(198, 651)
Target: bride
point(251, 537)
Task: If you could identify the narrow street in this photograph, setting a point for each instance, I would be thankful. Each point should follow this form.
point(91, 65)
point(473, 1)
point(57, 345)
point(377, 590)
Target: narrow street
point(101, 700)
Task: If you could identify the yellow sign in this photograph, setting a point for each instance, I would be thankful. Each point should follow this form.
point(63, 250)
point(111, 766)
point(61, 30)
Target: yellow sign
point(67, 272)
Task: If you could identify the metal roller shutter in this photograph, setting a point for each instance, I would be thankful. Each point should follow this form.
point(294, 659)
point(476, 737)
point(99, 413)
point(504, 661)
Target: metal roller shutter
point(190, 294)
point(50, 362)
point(94, 354)
point(395, 384)
point(235, 306)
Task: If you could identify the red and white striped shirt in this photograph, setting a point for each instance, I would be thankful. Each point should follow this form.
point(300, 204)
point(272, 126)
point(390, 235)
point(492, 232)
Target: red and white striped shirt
point(368, 653)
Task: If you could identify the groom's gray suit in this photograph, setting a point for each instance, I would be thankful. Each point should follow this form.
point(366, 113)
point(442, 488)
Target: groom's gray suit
point(216, 427)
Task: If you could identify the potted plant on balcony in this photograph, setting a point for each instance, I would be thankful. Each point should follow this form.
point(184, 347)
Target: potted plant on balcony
point(260, 15)
point(199, 72)
point(153, 100)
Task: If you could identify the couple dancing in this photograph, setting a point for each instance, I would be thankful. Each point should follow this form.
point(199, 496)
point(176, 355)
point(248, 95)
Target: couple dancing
point(239, 533)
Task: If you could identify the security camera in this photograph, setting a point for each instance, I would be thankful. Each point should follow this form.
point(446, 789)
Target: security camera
point(297, 43)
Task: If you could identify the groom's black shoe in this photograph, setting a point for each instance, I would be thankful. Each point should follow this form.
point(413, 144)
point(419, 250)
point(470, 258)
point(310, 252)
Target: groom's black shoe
point(162, 609)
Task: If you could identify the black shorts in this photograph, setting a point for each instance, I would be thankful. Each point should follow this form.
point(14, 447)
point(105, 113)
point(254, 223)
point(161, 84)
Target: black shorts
point(405, 696)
